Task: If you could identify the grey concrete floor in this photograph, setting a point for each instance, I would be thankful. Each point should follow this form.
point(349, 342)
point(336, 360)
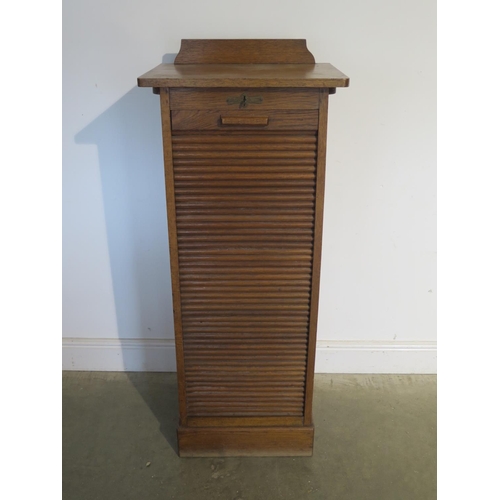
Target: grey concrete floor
point(375, 440)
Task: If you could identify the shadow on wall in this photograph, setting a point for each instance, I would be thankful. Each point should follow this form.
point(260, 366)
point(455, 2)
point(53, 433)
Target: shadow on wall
point(128, 138)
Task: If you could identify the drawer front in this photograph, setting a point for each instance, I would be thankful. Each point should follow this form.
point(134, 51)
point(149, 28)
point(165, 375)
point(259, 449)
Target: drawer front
point(248, 99)
point(184, 119)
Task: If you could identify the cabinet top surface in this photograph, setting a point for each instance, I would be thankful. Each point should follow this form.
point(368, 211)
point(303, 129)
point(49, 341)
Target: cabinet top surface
point(244, 75)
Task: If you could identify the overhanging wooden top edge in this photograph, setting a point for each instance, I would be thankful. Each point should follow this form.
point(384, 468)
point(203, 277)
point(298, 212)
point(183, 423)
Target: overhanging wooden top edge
point(244, 83)
point(322, 75)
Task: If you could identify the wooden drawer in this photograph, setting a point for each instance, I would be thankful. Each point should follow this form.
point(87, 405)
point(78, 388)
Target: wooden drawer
point(248, 99)
point(244, 120)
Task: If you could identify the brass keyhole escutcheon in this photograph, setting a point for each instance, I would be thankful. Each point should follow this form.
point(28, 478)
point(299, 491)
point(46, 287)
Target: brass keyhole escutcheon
point(243, 100)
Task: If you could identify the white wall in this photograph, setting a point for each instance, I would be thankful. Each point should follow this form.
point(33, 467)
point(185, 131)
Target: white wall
point(378, 283)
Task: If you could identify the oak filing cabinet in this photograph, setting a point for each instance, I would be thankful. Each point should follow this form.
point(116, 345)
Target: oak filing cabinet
point(244, 136)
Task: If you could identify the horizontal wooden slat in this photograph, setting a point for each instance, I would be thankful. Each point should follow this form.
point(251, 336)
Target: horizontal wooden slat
point(204, 296)
point(242, 137)
point(240, 321)
point(239, 414)
point(270, 232)
point(234, 256)
point(250, 337)
point(304, 210)
point(207, 154)
point(292, 367)
point(294, 220)
point(264, 276)
point(266, 351)
point(256, 163)
point(245, 172)
point(240, 357)
point(285, 386)
point(244, 382)
point(255, 195)
point(243, 402)
point(244, 421)
point(291, 309)
point(237, 256)
point(261, 333)
point(232, 371)
point(249, 238)
point(264, 198)
point(246, 336)
point(250, 382)
point(240, 243)
point(187, 199)
point(248, 253)
point(218, 376)
point(243, 344)
point(256, 334)
point(221, 412)
point(225, 388)
point(232, 301)
point(214, 185)
point(223, 391)
point(258, 145)
point(224, 410)
point(237, 318)
point(263, 355)
point(216, 266)
point(297, 270)
point(242, 177)
point(194, 297)
point(234, 281)
point(243, 385)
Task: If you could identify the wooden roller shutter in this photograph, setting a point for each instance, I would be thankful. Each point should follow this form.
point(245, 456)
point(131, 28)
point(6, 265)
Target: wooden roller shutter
point(245, 219)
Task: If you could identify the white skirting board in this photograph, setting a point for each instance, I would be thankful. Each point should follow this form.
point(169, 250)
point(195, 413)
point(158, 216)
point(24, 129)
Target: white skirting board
point(336, 356)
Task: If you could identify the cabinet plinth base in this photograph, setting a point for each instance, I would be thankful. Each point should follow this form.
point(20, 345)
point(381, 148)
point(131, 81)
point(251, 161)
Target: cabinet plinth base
point(245, 441)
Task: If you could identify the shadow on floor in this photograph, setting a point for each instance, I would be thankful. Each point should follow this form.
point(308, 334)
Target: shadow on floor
point(159, 392)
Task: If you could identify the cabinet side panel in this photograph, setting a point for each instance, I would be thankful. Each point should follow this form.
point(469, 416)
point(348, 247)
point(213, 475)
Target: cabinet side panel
point(174, 255)
point(316, 264)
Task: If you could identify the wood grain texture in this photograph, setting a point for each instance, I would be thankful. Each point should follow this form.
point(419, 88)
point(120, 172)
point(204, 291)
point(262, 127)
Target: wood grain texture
point(250, 99)
point(245, 421)
point(174, 258)
point(251, 51)
point(245, 441)
point(245, 76)
point(245, 120)
point(245, 298)
point(316, 267)
point(274, 120)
